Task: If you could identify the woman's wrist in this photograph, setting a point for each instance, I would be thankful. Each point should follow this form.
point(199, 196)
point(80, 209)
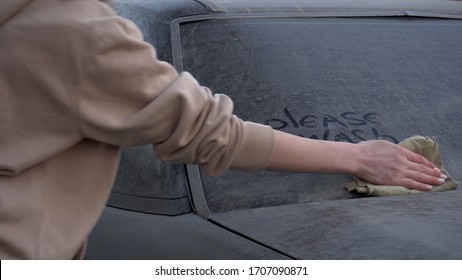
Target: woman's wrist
point(353, 166)
point(348, 157)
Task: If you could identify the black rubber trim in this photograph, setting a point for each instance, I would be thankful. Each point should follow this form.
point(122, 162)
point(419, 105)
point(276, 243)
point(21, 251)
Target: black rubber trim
point(158, 206)
point(196, 192)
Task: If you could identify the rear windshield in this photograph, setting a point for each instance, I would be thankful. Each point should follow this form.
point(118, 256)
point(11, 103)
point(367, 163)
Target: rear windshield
point(350, 79)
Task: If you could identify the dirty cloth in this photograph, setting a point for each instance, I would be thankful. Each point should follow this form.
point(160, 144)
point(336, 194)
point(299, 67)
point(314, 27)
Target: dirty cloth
point(422, 145)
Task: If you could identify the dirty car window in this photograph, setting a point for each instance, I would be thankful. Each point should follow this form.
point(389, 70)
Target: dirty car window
point(349, 79)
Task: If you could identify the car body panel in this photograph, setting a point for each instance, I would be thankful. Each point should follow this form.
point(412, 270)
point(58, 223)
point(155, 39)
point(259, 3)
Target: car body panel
point(125, 234)
point(424, 226)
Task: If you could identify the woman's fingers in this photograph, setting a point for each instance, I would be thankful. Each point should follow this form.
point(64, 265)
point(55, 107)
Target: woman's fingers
point(412, 184)
point(421, 181)
point(423, 172)
point(414, 157)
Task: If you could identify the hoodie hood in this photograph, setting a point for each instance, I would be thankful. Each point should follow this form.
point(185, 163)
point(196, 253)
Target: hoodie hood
point(9, 8)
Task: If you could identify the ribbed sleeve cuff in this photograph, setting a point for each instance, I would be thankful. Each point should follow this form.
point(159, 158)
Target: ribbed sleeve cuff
point(256, 148)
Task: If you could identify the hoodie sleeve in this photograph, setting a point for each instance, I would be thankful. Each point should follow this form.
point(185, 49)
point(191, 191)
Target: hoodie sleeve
point(129, 98)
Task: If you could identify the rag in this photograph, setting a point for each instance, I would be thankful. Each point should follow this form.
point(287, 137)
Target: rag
point(422, 145)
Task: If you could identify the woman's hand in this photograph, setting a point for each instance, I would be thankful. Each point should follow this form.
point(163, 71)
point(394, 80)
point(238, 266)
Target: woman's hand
point(381, 162)
point(377, 161)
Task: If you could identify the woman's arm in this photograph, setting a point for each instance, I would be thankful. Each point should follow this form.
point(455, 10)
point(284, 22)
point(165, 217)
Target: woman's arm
point(378, 162)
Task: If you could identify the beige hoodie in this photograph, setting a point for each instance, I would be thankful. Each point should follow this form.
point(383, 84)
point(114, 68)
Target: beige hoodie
point(76, 83)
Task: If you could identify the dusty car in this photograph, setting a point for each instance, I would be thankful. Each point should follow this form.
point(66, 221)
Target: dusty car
point(334, 70)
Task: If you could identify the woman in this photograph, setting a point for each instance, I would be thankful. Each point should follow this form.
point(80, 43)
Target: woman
point(77, 83)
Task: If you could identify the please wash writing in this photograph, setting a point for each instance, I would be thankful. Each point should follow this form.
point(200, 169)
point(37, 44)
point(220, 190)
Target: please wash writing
point(347, 127)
